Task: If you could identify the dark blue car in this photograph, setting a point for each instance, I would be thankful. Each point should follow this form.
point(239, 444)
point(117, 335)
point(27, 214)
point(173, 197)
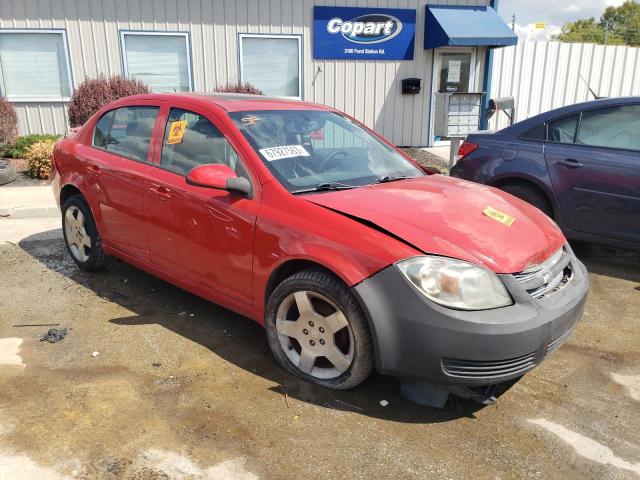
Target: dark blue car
point(579, 164)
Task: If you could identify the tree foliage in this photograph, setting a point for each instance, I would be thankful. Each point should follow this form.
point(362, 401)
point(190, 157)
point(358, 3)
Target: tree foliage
point(617, 26)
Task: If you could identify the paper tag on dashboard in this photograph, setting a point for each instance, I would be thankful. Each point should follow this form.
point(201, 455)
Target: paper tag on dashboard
point(499, 216)
point(286, 151)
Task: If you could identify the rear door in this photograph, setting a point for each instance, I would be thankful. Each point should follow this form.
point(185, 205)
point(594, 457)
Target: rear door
point(118, 170)
point(204, 235)
point(594, 163)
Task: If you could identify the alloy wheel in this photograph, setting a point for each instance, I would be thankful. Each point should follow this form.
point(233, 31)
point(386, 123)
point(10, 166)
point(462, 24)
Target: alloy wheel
point(76, 234)
point(315, 335)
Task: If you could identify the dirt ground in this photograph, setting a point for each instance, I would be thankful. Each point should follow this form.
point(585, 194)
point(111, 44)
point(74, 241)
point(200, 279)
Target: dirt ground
point(182, 388)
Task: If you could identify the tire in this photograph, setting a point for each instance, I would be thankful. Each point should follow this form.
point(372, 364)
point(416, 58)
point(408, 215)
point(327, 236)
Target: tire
point(531, 195)
point(335, 323)
point(7, 173)
point(81, 235)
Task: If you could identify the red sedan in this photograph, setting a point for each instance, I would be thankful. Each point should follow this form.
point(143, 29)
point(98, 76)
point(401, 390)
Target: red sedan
point(349, 253)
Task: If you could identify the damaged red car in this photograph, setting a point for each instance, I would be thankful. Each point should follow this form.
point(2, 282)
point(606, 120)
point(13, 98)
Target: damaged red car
point(351, 255)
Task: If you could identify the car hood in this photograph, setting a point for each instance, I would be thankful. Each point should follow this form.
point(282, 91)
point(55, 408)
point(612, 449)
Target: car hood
point(445, 216)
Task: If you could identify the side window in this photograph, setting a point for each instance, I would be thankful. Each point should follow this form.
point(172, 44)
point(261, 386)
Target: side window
point(102, 130)
point(614, 127)
point(563, 130)
point(126, 131)
point(536, 133)
point(191, 140)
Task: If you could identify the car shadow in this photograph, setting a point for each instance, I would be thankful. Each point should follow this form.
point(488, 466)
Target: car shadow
point(609, 261)
point(233, 337)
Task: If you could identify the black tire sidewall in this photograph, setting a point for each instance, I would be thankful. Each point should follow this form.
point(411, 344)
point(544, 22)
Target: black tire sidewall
point(531, 196)
point(329, 286)
point(90, 227)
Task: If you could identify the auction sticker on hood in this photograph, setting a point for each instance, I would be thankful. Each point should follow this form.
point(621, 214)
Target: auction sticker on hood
point(286, 151)
point(499, 216)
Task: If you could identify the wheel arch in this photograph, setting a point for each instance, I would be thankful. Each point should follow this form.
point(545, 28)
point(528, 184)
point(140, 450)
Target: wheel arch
point(531, 182)
point(69, 190)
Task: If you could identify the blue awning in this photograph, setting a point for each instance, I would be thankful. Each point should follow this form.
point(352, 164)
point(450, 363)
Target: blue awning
point(466, 26)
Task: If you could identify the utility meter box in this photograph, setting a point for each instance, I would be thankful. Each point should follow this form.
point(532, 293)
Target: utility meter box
point(457, 113)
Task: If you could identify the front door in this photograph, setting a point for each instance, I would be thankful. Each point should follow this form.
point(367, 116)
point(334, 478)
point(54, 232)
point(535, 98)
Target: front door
point(594, 163)
point(202, 234)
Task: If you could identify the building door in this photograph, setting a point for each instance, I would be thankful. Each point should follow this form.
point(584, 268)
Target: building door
point(455, 70)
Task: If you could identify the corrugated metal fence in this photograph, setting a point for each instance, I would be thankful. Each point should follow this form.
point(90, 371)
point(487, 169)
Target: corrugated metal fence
point(545, 75)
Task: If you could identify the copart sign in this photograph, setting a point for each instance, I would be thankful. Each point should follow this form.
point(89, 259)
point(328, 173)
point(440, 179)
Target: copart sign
point(363, 33)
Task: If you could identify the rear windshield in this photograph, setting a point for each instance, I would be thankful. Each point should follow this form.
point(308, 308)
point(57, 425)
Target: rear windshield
point(307, 148)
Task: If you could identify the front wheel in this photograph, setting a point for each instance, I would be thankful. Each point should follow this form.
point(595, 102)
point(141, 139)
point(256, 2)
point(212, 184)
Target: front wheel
point(318, 332)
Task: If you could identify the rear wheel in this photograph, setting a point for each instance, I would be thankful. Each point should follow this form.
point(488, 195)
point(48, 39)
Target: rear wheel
point(81, 235)
point(318, 332)
point(531, 195)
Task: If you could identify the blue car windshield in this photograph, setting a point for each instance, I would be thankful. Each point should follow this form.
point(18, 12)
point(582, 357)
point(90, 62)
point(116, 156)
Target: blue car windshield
point(308, 149)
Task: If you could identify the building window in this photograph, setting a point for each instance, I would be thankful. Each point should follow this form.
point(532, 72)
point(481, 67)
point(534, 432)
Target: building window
point(159, 59)
point(272, 63)
point(34, 65)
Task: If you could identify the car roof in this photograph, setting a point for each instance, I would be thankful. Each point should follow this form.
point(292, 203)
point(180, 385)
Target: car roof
point(233, 102)
point(524, 125)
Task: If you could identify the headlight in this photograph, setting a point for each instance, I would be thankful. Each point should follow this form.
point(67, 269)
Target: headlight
point(455, 283)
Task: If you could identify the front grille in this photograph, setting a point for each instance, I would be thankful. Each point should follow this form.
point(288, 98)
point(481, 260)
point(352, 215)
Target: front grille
point(548, 277)
point(487, 369)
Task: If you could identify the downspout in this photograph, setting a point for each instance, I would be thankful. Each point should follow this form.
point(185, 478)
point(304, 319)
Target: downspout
point(486, 78)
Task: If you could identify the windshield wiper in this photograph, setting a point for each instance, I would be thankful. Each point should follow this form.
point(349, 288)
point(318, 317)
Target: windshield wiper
point(391, 178)
point(323, 187)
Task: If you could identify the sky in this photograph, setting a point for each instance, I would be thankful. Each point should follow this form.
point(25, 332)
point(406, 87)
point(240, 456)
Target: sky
point(553, 12)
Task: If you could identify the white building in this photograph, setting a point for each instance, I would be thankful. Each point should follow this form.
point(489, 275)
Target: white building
point(284, 47)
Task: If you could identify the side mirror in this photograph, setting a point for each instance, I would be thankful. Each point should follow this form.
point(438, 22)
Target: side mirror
point(220, 177)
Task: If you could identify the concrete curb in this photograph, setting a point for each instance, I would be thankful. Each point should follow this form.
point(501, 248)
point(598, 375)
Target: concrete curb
point(29, 212)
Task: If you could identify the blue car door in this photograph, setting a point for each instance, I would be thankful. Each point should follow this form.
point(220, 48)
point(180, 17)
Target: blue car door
point(593, 159)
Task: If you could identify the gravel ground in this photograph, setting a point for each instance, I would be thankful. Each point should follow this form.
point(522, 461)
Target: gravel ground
point(428, 159)
point(183, 389)
point(23, 180)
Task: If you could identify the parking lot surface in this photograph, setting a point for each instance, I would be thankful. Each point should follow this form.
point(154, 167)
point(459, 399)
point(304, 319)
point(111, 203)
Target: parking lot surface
point(152, 382)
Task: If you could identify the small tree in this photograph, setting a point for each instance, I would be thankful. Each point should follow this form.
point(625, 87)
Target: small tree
point(94, 93)
point(8, 124)
point(239, 88)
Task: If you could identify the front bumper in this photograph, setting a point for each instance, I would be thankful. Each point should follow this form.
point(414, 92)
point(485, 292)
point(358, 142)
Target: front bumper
point(416, 339)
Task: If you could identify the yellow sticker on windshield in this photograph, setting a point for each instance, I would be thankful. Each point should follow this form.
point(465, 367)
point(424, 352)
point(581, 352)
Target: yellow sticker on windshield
point(176, 131)
point(499, 216)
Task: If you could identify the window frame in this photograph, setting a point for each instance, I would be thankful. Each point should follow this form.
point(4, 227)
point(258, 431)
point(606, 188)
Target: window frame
point(150, 152)
point(577, 114)
point(67, 56)
point(293, 36)
point(157, 33)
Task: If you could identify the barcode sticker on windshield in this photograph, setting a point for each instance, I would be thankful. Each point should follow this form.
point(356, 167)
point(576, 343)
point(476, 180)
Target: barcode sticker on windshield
point(286, 151)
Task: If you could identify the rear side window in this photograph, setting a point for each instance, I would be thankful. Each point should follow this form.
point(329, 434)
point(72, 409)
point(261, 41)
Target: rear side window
point(612, 127)
point(126, 131)
point(563, 130)
point(102, 130)
point(191, 140)
point(536, 133)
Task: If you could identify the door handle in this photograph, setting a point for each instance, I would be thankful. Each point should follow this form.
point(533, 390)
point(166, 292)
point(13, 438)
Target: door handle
point(94, 169)
point(570, 163)
point(162, 193)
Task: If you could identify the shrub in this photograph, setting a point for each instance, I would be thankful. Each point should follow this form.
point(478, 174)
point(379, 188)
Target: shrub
point(39, 159)
point(239, 88)
point(8, 124)
point(21, 145)
point(94, 93)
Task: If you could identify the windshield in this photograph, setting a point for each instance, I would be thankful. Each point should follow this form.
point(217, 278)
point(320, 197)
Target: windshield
point(307, 150)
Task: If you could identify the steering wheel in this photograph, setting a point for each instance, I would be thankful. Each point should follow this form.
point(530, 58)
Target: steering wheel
point(330, 157)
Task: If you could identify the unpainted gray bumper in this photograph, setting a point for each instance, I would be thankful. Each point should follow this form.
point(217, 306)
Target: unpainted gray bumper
point(416, 339)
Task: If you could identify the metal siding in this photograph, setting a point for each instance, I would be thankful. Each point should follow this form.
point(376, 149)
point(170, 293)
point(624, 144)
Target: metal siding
point(545, 75)
point(368, 90)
